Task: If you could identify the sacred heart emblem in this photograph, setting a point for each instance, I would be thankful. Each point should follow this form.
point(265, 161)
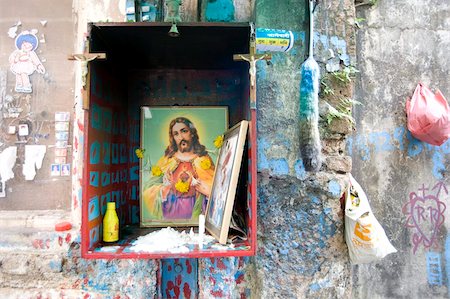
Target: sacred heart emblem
point(426, 214)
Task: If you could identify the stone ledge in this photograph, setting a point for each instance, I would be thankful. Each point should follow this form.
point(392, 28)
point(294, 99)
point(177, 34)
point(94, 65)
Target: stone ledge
point(40, 219)
point(19, 293)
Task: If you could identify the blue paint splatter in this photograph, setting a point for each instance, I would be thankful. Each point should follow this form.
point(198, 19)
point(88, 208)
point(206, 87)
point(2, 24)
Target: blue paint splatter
point(434, 270)
point(447, 261)
point(263, 163)
point(337, 44)
point(301, 216)
point(363, 148)
point(278, 58)
point(284, 251)
point(220, 11)
point(261, 69)
point(56, 265)
point(279, 166)
point(334, 188)
point(445, 148)
point(438, 165)
point(350, 145)
point(415, 146)
point(341, 46)
point(300, 171)
point(314, 199)
point(384, 142)
point(315, 287)
point(399, 135)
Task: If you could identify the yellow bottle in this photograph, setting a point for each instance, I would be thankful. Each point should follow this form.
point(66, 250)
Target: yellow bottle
point(110, 223)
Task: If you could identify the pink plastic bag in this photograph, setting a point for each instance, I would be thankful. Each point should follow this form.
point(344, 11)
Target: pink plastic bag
point(428, 116)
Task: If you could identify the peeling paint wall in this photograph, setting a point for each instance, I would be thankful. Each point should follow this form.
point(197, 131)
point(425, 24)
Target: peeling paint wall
point(27, 111)
point(402, 43)
point(300, 229)
point(301, 249)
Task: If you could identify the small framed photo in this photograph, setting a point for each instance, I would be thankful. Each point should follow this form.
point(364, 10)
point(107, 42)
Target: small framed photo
point(220, 204)
point(65, 169)
point(55, 170)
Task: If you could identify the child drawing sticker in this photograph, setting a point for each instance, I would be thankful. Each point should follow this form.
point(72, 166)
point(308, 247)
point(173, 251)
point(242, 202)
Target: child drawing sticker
point(24, 61)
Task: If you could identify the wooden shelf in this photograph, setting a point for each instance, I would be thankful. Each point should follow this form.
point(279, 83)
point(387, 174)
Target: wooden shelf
point(129, 234)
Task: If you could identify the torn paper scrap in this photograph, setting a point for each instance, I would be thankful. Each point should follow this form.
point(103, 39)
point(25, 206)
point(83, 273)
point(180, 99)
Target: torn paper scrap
point(34, 154)
point(7, 162)
point(12, 32)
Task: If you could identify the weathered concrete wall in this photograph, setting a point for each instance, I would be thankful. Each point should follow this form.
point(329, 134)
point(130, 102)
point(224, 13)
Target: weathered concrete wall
point(52, 91)
point(402, 43)
point(301, 249)
point(301, 253)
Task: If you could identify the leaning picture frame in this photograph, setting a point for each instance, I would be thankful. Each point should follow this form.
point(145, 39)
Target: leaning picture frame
point(177, 159)
point(220, 204)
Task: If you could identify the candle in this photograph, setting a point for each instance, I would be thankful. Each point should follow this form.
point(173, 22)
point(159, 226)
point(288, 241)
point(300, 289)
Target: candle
point(201, 230)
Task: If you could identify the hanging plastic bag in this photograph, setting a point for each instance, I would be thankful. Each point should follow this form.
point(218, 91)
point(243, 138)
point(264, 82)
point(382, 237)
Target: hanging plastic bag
point(428, 116)
point(365, 237)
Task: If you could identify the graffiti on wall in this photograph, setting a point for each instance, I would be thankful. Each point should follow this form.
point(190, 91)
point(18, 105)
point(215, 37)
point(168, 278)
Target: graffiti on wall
point(24, 60)
point(425, 214)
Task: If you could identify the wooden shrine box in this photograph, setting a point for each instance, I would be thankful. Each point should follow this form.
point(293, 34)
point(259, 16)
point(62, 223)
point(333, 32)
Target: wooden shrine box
point(146, 67)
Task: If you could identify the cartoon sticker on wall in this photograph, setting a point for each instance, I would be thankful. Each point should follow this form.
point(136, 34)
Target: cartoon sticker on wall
point(24, 60)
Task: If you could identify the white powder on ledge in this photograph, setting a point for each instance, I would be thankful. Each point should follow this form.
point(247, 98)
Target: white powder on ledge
point(167, 239)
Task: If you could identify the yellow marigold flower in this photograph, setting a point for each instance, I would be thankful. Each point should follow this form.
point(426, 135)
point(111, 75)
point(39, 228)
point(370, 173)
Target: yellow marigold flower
point(182, 187)
point(140, 153)
point(218, 141)
point(205, 163)
point(156, 171)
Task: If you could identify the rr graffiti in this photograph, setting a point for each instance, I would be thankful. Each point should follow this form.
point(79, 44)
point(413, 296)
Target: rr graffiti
point(425, 215)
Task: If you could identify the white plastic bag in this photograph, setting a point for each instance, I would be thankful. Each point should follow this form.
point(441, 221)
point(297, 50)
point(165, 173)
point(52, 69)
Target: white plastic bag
point(365, 237)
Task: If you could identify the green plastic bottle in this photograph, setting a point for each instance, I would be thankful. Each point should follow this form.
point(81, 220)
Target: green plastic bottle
point(110, 224)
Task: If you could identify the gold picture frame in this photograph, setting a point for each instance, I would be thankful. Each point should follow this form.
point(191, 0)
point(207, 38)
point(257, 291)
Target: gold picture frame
point(177, 162)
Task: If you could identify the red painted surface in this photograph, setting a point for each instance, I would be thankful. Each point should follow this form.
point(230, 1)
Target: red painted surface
point(253, 183)
point(176, 289)
point(217, 294)
point(63, 226)
point(189, 266)
point(186, 291)
point(220, 264)
point(68, 238)
point(175, 281)
point(240, 279)
point(173, 88)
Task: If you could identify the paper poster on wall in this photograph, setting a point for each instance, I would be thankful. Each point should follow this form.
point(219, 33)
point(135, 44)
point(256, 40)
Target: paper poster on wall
point(65, 169)
point(24, 61)
point(55, 170)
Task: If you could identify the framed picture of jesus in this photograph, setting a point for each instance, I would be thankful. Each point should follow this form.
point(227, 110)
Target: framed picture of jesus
point(177, 162)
